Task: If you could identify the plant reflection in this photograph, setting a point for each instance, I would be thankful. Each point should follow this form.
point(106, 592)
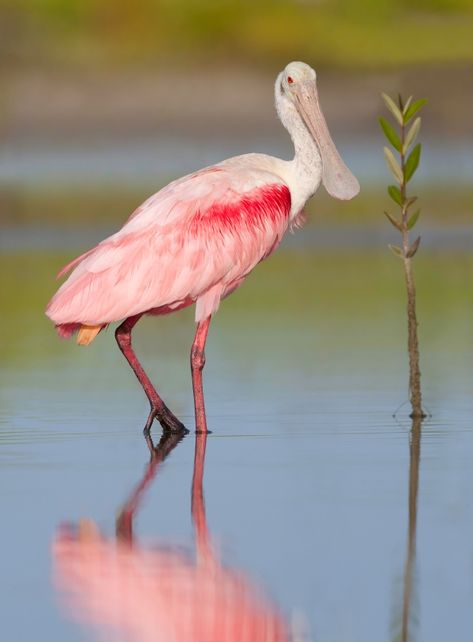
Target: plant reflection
point(408, 613)
point(142, 593)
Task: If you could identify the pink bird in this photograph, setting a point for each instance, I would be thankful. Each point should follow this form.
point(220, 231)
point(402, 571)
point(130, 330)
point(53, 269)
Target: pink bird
point(197, 239)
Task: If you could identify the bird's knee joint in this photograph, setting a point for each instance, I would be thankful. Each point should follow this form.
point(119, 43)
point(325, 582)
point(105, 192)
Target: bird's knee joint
point(197, 359)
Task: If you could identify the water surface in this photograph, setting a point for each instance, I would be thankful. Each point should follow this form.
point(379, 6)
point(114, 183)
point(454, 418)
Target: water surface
point(306, 476)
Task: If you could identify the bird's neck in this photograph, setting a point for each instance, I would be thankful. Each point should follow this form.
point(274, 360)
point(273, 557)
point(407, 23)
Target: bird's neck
point(306, 166)
point(304, 172)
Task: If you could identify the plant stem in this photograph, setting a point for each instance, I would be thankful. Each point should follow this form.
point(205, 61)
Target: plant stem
point(415, 393)
point(413, 344)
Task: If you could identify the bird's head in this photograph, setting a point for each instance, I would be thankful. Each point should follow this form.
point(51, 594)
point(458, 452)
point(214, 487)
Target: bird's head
point(297, 98)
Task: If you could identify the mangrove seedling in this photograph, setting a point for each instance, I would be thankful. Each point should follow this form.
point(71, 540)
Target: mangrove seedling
point(402, 157)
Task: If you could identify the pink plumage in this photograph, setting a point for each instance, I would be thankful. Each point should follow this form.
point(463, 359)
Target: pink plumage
point(193, 241)
point(196, 240)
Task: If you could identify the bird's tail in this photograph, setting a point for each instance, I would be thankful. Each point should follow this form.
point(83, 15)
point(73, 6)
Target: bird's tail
point(85, 333)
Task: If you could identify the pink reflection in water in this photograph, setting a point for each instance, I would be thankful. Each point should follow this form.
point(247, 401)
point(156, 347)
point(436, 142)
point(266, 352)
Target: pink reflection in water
point(141, 593)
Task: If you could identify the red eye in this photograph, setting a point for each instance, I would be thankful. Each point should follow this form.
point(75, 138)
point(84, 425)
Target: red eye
point(290, 80)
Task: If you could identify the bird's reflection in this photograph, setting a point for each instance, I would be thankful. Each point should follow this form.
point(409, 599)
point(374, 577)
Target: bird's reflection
point(135, 592)
point(406, 628)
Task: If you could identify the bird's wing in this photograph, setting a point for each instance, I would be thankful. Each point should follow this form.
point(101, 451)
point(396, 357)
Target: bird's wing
point(196, 238)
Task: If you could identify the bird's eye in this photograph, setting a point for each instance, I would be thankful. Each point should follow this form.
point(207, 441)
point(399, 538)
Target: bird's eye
point(290, 80)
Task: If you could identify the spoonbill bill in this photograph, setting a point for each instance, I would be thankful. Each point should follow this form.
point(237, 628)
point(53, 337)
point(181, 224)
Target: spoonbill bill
point(198, 238)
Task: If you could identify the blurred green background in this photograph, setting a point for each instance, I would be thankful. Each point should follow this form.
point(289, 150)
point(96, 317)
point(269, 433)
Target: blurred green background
point(336, 33)
point(119, 97)
point(105, 101)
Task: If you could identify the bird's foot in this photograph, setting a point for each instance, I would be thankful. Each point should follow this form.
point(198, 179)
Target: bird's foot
point(168, 421)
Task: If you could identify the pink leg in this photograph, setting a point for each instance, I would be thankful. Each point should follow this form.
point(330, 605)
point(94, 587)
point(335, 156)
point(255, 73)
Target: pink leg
point(159, 410)
point(197, 365)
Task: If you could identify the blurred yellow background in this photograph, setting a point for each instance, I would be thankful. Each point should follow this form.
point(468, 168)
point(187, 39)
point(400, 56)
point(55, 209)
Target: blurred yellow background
point(335, 33)
point(105, 101)
point(128, 95)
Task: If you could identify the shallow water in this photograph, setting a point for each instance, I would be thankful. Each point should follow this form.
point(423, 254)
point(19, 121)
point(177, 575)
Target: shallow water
point(306, 473)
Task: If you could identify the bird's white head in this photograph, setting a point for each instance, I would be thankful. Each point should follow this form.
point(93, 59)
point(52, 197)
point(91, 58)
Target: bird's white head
point(297, 101)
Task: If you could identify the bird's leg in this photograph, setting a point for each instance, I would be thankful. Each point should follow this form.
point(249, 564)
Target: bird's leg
point(159, 410)
point(197, 365)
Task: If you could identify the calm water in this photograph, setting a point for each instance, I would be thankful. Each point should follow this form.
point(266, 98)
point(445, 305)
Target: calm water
point(306, 473)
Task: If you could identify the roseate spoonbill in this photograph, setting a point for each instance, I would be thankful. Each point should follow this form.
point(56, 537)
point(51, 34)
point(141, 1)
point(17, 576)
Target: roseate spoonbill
point(144, 593)
point(197, 239)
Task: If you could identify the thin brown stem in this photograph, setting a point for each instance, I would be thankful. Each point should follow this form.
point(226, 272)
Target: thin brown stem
point(413, 343)
point(415, 393)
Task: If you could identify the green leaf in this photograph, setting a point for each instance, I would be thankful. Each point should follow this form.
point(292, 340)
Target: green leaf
point(413, 249)
point(393, 108)
point(411, 134)
point(393, 165)
point(413, 220)
point(397, 224)
point(414, 108)
point(390, 134)
point(412, 162)
point(395, 193)
point(406, 105)
point(396, 251)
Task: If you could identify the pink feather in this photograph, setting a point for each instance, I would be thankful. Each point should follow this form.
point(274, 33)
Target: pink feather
point(193, 241)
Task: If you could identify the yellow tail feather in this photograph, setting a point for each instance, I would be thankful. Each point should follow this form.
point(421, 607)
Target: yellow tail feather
point(87, 334)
